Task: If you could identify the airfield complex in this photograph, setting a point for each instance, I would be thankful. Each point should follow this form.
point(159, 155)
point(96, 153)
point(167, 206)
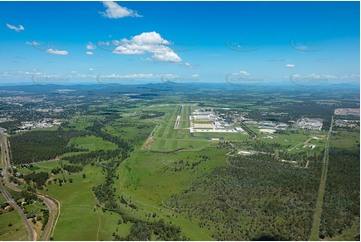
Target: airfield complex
point(208, 120)
point(215, 121)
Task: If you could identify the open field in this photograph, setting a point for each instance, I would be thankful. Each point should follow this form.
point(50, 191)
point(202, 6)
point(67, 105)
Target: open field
point(79, 218)
point(346, 140)
point(137, 181)
point(91, 143)
point(222, 136)
point(131, 128)
point(16, 230)
point(80, 123)
point(69, 154)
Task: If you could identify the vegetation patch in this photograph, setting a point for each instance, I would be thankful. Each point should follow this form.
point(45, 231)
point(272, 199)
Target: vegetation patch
point(40, 145)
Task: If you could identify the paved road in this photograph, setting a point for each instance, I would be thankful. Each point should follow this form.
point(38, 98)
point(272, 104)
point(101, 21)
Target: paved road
point(5, 165)
point(53, 208)
point(23, 216)
point(52, 204)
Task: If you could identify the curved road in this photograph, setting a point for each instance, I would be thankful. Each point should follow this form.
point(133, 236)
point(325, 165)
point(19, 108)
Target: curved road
point(53, 208)
point(52, 204)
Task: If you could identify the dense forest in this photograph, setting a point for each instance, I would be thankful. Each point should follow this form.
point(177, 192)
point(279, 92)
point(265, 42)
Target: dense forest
point(342, 200)
point(41, 145)
point(158, 230)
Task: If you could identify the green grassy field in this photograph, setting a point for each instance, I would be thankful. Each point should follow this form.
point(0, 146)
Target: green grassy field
point(2, 199)
point(149, 180)
point(346, 140)
point(64, 156)
point(79, 219)
point(223, 136)
point(80, 123)
point(92, 143)
point(17, 230)
point(131, 128)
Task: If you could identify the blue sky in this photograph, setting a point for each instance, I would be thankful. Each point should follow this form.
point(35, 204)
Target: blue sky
point(238, 42)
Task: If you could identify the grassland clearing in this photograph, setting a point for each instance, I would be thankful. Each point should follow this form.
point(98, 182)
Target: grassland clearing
point(346, 140)
point(80, 219)
point(91, 143)
point(12, 227)
point(150, 179)
point(81, 122)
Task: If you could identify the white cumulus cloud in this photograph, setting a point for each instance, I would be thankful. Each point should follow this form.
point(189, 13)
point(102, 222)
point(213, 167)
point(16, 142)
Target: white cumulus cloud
point(89, 53)
point(148, 42)
point(167, 56)
point(17, 29)
point(57, 52)
point(116, 11)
